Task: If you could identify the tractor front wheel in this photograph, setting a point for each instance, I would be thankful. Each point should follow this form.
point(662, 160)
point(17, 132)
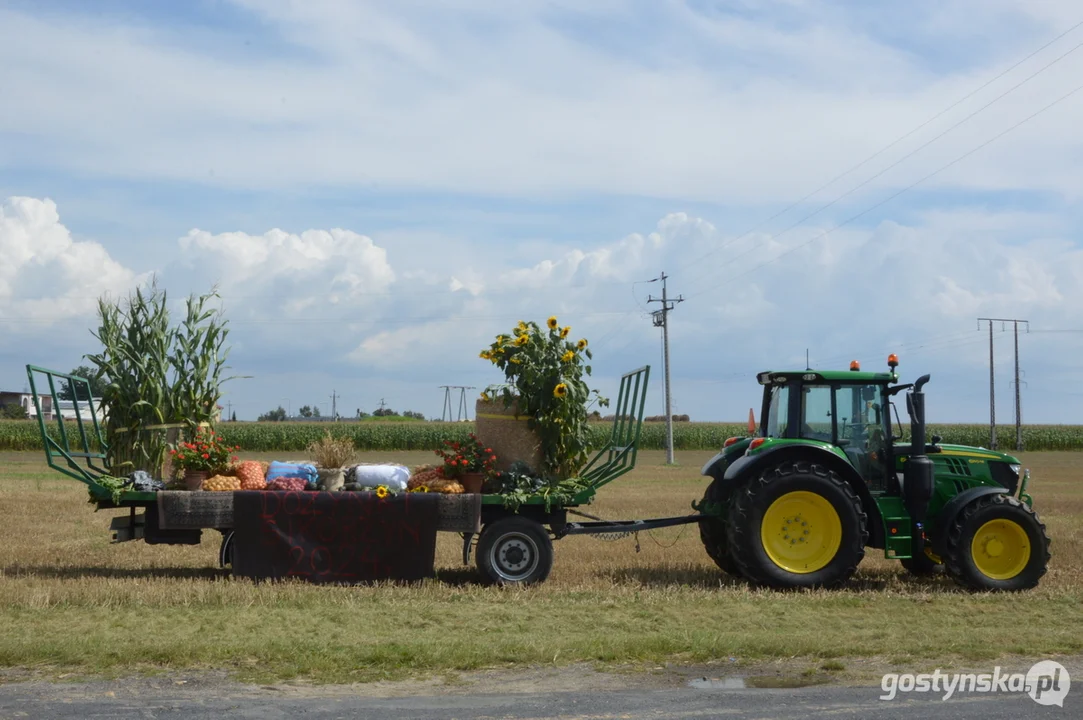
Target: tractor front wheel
point(797, 525)
point(515, 551)
point(712, 532)
point(997, 543)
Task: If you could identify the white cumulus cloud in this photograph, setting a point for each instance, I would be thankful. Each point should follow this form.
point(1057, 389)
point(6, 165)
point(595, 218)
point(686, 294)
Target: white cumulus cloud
point(46, 275)
point(332, 265)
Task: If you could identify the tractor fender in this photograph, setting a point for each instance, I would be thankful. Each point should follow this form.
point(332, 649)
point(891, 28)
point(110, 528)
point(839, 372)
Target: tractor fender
point(750, 466)
point(716, 466)
point(951, 510)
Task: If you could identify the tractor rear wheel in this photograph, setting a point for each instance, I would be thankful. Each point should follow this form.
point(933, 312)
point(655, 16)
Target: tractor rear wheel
point(712, 532)
point(797, 525)
point(997, 543)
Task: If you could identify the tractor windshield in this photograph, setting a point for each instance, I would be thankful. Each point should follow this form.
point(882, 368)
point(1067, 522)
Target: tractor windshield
point(778, 411)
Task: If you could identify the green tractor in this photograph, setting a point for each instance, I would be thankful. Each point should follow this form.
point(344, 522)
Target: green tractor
point(827, 476)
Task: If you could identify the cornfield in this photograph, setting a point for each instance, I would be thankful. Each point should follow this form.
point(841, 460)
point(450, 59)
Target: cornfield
point(296, 437)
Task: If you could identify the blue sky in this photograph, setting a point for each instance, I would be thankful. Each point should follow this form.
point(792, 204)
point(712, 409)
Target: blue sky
point(380, 188)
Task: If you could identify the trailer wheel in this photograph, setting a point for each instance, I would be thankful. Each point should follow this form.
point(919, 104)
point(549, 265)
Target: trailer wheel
point(712, 532)
point(798, 525)
point(514, 551)
point(225, 552)
point(997, 543)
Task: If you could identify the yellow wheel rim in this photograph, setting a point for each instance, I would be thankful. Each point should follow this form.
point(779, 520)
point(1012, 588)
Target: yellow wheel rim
point(1001, 549)
point(801, 532)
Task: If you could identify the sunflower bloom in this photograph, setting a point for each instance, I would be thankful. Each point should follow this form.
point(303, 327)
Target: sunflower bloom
point(582, 343)
point(568, 356)
point(522, 340)
point(381, 492)
point(552, 322)
point(564, 331)
point(560, 390)
point(485, 355)
point(422, 488)
point(516, 360)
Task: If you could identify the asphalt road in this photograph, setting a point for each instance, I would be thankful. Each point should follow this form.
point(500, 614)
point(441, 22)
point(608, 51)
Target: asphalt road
point(95, 700)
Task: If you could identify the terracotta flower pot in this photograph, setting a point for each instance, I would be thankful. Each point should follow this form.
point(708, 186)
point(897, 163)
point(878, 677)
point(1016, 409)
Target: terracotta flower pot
point(472, 481)
point(193, 479)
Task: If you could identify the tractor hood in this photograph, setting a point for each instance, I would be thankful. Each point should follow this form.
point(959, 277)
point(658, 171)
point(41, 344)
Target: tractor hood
point(977, 453)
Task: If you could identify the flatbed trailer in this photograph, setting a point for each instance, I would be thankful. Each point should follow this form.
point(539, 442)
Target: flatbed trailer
point(514, 545)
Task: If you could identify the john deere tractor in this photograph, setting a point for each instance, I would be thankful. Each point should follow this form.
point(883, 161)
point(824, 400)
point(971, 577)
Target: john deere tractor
point(826, 475)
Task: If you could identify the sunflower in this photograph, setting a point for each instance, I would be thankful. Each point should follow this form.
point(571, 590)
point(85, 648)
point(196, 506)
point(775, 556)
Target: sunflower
point(568, 356)
point(552, 322)
point(381, 492)
point(501, 339)
point(560, 390)
point(523, 340)
point(485, 355)
point(421, 488)
point(516, 360)
point(564, 331)
point(582, 343)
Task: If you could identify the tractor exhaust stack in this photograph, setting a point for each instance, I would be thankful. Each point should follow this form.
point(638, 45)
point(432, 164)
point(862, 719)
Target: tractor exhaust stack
point(919, 474)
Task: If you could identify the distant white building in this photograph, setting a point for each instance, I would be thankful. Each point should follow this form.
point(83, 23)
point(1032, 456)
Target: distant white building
point(66, 408)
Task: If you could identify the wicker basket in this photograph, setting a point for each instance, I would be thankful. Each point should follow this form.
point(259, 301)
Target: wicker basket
point(509, 436)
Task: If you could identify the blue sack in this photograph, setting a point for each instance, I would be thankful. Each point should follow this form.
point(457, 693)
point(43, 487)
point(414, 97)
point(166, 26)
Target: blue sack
point(281, 469)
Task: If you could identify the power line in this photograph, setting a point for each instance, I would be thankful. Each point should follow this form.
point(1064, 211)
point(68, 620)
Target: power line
point(895, 142)
point(891, 197)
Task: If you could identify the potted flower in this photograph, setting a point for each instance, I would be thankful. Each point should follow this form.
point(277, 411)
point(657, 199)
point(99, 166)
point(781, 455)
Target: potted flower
point(544, 370)
point(204, 454)
point(471, 463)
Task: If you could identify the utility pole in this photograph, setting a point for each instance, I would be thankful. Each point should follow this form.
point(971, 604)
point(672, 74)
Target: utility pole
point(229, 410)
point(992, 383)
point(661, 317)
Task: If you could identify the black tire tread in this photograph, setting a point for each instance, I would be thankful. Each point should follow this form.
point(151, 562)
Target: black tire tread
point(713, 535)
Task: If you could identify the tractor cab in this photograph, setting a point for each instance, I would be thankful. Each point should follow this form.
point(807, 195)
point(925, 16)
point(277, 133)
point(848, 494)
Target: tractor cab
point(846, 412)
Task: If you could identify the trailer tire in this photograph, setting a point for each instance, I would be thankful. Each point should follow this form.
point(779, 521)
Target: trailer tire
point(797, 525)
point(997, 543)
point(712, 532)
point(514, 551)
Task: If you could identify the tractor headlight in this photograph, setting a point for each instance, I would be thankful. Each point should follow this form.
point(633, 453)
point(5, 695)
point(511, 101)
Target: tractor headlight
point(1015, 469)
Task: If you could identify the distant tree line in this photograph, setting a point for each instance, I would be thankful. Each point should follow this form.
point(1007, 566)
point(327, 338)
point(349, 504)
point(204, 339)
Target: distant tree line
point(306, 411)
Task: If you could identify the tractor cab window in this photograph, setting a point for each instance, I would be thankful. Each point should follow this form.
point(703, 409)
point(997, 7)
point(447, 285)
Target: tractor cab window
point(778, 411)
point(816, 418)
point(861, 430)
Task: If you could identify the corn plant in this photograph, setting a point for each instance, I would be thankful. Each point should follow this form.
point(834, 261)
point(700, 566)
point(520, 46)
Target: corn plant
point(156, 375)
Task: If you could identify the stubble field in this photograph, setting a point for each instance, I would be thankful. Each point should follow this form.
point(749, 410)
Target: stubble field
point(72, 602)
